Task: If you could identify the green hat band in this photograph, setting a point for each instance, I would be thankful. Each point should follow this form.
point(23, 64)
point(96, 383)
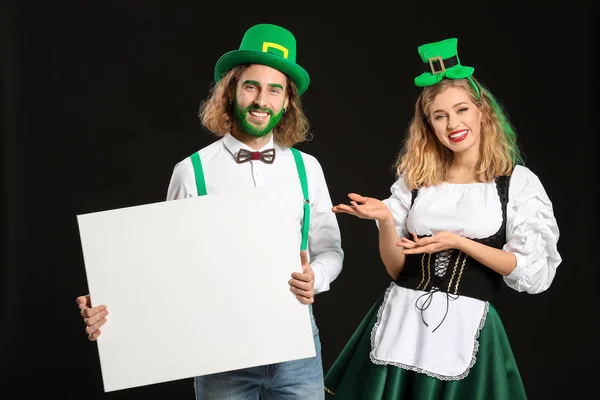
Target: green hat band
point(269, 45)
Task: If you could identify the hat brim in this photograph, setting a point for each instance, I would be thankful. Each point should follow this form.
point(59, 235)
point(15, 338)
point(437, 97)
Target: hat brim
point(236, 57)
point(457, 72)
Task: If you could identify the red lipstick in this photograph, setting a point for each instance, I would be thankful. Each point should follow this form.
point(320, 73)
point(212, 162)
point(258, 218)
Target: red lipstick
point(458, 136)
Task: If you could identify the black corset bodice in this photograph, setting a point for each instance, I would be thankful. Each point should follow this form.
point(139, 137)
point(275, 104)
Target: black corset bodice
point(454, 272)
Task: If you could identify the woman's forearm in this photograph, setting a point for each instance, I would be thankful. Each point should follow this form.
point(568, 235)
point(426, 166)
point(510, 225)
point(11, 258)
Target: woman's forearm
point(500, 261)
point(391, 255)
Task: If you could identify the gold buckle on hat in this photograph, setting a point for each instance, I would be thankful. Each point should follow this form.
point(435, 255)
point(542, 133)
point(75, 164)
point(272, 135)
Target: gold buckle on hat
point(439, 60)
point(267, 45)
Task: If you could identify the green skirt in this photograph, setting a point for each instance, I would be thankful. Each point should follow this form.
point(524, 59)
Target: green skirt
point(494, 376)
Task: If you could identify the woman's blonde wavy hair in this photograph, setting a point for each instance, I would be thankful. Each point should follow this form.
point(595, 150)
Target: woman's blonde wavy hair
point(216, 112)
point(424, 161)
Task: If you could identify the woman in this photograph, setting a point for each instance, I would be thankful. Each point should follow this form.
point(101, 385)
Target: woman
point(464, 217)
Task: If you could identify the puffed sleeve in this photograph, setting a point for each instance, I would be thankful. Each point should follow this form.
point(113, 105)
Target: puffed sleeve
point(399, 204)
point(532, 233)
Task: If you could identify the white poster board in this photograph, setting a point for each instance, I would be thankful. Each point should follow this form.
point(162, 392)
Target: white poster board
point(196, 286)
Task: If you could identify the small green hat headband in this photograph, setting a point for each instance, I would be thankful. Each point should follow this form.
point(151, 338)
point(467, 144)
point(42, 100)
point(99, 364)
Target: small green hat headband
point(441, 61)
point(269, 45)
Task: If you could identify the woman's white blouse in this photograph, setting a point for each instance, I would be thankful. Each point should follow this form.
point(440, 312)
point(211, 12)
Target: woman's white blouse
point(473, 210)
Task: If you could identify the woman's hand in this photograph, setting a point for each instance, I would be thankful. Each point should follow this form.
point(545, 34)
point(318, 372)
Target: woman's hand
point(430, 244)
point(364, 207)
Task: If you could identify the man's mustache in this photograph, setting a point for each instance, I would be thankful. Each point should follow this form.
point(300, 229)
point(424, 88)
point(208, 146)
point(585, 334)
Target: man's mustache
point(261, 109)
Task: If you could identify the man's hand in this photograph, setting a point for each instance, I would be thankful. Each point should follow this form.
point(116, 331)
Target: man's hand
point(303, 284)
point(94, 317)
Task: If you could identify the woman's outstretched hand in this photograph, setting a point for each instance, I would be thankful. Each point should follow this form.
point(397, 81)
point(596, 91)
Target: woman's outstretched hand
point(364, 207)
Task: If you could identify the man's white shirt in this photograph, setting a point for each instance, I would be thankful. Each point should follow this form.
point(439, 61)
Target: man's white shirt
point(223, 174)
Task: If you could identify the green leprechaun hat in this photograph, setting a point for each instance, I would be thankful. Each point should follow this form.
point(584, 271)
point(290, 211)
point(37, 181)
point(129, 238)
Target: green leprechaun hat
point(269, 45)
point(441, 61)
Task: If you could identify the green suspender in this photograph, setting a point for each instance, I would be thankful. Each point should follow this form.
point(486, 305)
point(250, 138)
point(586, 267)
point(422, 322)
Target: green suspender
point(303, 182)
point(201, 187)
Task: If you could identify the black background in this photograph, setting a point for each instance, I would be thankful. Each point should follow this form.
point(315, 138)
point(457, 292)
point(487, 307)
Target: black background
point(99, 101)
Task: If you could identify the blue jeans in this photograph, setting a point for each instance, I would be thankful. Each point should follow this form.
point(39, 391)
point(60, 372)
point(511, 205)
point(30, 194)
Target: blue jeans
point(290, 380)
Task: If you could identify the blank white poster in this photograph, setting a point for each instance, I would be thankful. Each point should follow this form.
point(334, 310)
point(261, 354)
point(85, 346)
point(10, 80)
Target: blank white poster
point(196, 286)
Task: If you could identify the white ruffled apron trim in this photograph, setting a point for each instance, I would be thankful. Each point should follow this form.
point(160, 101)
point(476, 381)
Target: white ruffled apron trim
point(401, 338)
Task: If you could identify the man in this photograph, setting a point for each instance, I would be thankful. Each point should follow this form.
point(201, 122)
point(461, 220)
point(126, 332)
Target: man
point(255, 110)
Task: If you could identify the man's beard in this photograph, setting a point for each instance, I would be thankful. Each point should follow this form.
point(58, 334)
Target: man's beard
point(241, 117)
